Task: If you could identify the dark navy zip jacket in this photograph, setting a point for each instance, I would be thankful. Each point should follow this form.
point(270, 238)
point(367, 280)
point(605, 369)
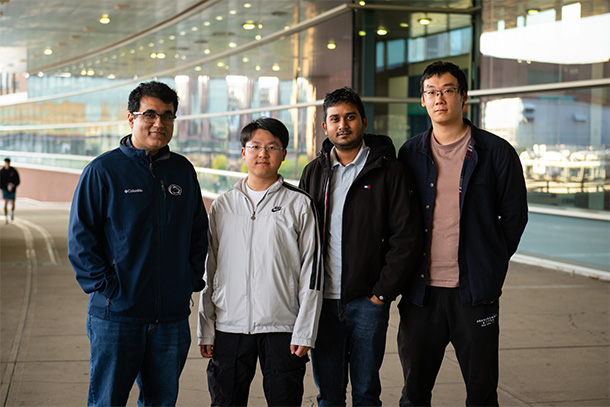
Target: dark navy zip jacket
point(493, 212)
point(137, 237)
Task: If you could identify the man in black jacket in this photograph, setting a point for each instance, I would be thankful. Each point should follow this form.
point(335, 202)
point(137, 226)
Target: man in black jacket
point(371, 229)
point(471, 190)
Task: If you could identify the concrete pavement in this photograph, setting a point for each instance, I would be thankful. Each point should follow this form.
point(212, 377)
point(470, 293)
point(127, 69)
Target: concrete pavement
point(554, 343)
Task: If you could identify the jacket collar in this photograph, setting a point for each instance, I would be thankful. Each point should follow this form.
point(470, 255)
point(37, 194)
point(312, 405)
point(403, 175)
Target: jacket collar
point(139, 155)
point(477, 140)
point(241, 185)
point(379, 145)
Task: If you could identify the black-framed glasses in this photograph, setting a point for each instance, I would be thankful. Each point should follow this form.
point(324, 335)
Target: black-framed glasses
point(448, 93)
point(150, 116)
point(258, 149)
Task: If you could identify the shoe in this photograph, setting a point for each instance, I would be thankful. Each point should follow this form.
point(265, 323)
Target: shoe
point(6, 221)
point(12, 215)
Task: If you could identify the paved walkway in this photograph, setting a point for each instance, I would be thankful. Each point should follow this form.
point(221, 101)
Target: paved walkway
point(554, 344)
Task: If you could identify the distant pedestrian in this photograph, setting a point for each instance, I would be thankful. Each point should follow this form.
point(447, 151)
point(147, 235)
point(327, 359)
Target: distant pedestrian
point(472, 193)
point(137, 240)
point(9, 179)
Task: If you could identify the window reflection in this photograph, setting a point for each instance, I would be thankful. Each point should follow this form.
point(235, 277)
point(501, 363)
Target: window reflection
point(563, 142)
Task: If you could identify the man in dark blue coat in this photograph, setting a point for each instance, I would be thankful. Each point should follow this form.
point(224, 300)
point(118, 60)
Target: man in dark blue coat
point(472, 193)
point(137, 241)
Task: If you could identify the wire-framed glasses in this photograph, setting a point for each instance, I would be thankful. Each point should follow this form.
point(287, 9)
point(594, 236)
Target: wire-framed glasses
point(448, 93)
point(150, 116)
point(257, 149)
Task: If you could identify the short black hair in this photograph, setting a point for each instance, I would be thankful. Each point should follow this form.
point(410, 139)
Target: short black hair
point(153, 89)
point(7, 160)
point(343, 95)
point(270, 124)
point(438, 68)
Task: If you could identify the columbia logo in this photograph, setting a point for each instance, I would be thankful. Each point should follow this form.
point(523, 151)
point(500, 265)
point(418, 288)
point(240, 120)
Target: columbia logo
point(134, 191)
point(276, 209)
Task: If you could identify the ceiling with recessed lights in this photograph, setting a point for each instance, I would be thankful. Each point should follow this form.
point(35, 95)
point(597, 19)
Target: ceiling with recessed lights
point(126, 38)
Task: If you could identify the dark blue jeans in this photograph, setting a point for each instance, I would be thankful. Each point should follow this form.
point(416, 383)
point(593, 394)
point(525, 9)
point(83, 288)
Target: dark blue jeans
point(424, 333)
point(153, 355)
point(352, 338)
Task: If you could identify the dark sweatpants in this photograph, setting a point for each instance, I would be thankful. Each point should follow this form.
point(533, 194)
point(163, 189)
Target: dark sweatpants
point(424, 333)
point(233, 366)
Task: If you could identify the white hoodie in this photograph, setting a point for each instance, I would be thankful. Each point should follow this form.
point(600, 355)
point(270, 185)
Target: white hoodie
point(264, 270)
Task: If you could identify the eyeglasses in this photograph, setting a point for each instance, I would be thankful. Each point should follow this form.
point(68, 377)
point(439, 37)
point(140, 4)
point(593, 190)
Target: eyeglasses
point(257, 149)
point(448, 93)
point(150, 117)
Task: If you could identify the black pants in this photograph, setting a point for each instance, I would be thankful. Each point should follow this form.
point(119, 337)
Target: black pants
point(424, 333)
point(232, 369)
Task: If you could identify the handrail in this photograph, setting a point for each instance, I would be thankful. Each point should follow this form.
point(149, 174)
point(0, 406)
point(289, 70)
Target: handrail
point(591, 83)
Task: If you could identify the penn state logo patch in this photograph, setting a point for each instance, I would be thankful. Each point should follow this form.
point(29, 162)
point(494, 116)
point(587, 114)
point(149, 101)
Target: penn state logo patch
point(175, 190)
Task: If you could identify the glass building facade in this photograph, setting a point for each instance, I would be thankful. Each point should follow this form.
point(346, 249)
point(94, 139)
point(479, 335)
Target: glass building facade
point(538, 77)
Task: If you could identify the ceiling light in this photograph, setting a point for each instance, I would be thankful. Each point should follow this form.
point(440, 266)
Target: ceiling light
point(232, 12)
point(258, 37)
point(197, 68)
point(247, 5)
point(90, 72)
point(207, 23)
point(112, 76)
point(83, 72)
point(153, 55)
point(362, 3)
point(48, 51)
point(260, 26)
point(219, 18)
point(331, 45)
point(362, 33)
point(382, 31)
point(533, 11)
point(275, 67)
point(404, 25)
point(424, 21)
point(207, 51)
point(104, 19)
point(194, 28)
point(160, 55)
point(249, 25)
point(245, 59)
point(257, 67)
point(40, 74)
point(232, 45)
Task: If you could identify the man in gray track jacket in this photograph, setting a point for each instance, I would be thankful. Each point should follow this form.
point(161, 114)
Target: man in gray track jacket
point(264, 278)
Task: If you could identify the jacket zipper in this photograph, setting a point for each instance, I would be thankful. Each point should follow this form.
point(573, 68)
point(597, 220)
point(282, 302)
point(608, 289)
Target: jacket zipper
point(156, 222)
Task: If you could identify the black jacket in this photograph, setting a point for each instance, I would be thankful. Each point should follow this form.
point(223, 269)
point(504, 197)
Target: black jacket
point(493, 212)
point(381, 221)
point(7, 176)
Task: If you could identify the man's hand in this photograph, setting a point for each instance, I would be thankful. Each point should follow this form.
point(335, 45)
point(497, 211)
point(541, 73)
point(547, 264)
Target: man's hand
point(207, 351)
point(299, 350)
point(376, 300)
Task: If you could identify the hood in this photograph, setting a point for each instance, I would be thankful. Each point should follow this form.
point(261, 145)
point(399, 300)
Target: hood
point(380, 145)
